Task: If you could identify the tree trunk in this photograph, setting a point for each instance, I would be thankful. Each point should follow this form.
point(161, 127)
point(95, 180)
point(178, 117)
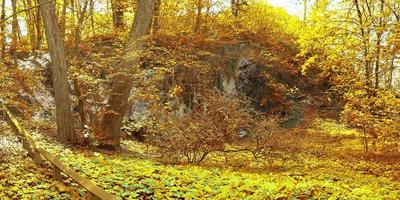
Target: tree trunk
point(122, 82)
point(39, 30)
point(14, 32)
point(391, 71)
point(3, 29)
point(378, 45)
point(305, 10)
point(77, 40)
point(72, 5)
point(29, 16)
point(63, 19)
point(65, 126)
point(378, 60)
point(234, 7)
point(92, 17)
point(81, 102)
point(156, 17)
point(365, 39)
point(198, 16)
point(117, 7)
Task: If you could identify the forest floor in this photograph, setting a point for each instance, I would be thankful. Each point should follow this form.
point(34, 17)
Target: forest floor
point(324, 167)
point(20, 178)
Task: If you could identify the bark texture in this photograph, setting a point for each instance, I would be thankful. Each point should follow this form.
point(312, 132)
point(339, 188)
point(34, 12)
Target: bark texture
point(14, 32)
point(117, 7)
point(122, 82)
point(65, 126)
point(3, 29)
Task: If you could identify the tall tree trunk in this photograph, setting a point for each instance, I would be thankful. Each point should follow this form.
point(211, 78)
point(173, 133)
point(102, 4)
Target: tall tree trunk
point(365, 38)
point(156, 17)
point(72, 5)
point(29, 18)
point(80, 26)
point(379, 33)
point(391, 71)
point(198, 16)
point(77, 40)
point(305, 10)
point(377, 59)
point(92, 17)
point(65, 126)
point(39, 30)
point(63, 25)
point(235, 7)
point(3, 29)
point(122, 82)
point(117, 7)
point(14, 32)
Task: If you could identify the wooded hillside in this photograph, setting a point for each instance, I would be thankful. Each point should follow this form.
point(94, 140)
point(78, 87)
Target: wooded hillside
point(199, 99)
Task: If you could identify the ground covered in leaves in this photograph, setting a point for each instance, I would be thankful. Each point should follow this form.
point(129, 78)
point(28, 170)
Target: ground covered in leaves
point(311, 175)
point(20, 178)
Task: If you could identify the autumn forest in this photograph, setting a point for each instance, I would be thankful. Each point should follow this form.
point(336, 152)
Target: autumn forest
point(199, 99)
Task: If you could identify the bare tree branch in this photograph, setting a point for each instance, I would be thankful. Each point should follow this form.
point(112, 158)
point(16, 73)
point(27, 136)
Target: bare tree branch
point(24, 10)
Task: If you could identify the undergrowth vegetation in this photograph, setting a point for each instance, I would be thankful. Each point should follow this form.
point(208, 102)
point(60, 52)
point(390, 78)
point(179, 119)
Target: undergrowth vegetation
point(202, 99)
point(222, 175)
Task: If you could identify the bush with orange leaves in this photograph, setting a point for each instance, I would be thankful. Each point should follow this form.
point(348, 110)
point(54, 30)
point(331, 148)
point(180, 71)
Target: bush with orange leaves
point(377, 115)
point(216, 123)
point(212, 122)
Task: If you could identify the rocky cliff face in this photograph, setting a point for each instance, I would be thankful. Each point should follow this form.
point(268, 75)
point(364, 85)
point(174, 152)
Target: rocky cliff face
point(267, 80)
point(243, 74)
point(270, 81)
point(243, 77)
point(40, 63)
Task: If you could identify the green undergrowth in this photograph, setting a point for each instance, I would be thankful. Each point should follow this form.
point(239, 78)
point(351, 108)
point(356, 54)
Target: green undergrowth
point(20, 178)
point(332, 128)
point(132, 178)
point(129, 177)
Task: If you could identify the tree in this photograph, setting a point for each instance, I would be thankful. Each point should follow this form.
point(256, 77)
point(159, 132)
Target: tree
point(14, 31)
point(199, 7)
point(117, 7)
point(156, 17)
point(39, 29)
point(237, 6)
point(379, 32)
point(122, 82)
point(79, 26)
point(365, 31)
point(356, 47)
point(63, 19)
point(65, 126)
point(305, 3)
point(33, 28)
point(3, 29)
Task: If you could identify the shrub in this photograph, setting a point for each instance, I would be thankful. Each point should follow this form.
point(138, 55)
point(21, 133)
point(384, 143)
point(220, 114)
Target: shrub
point(377, 116)
point(219, 123)
point(212, 122)
point(266, 139)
